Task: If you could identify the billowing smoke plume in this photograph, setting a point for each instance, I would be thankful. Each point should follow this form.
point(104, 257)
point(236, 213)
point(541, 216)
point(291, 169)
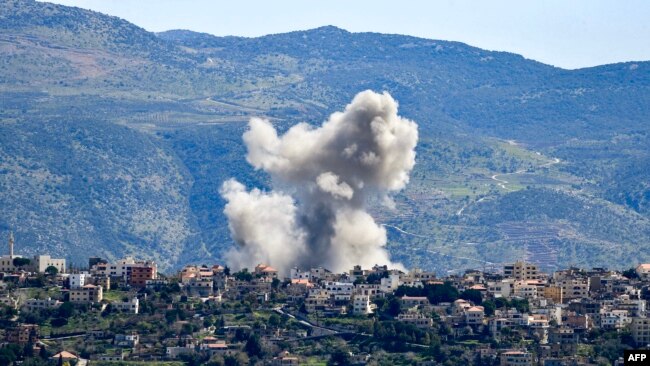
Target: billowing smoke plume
point(322, 179)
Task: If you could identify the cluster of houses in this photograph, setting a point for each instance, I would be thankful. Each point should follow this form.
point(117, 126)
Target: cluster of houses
point(561, 308)
point(77, 287)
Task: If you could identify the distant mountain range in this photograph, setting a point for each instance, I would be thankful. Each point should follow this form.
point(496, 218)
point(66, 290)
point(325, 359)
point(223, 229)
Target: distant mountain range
point(115, 140)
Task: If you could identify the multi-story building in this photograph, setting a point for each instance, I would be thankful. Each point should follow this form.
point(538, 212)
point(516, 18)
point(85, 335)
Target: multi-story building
point(521, 271)
point(502, 288)
point(77, 280)
point(640, 329)
point(264, 270)
point(474, 315)
point(317, 300)
point(320, 273)
point(614, 319)
point(416, 318)
point(33, 305)
point(361, 305)
point(130, 306)
point(134, 273)
point(516, 358)
point(574, 288)
point(411, 301)
point(525, 289)
point(142, 272)
point(127, 340)
point(390, 283)
point(200, 286)
point(87, 294)
point(563, 335)
point(634, 307)
point(554, 293)
point(339, 291)
point(40, 263)
point(103, 281)
point(298, 274)
point(22, 334)
point(370, 289)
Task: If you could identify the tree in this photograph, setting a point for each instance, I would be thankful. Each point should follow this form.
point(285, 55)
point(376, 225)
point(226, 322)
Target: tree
point(473, 296)
point(58, 322)
point(275, 320)
point(489, 307)
point(629, 273)
point(243, 275)
point(375, 278)
point(51, 270)
point(340, 356)
point(394, 307)
point(239, 359)
point(171, 316)
point(520, 304)
point(65, 310)
point(20, 262)
point(28, 350)
point(254, 346)
point(43, 353)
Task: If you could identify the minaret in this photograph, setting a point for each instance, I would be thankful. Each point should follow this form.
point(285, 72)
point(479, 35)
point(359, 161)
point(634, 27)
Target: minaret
point(11, 244)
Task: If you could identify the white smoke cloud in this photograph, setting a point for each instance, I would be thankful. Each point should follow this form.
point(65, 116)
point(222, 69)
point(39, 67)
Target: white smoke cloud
point(331, 170)
point(329, 182)
point(264, 225)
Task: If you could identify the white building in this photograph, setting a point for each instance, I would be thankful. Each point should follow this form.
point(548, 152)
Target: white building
point(33, 305)
point(614, 319)
point(298, 274)
point(390, 284)
point(131, 306)
point(41, 262)
point(78, 280)
point(361, 305)
point(503, 288)
point(339, 291)
point(120, 268)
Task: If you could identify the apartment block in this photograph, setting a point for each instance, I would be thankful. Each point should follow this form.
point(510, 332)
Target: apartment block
point(87, 294)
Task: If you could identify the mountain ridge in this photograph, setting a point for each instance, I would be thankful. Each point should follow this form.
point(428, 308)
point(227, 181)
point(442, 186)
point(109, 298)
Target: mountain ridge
point(74, 83)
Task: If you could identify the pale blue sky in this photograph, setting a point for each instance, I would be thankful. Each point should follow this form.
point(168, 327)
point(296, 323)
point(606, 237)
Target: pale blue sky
point(565, 33)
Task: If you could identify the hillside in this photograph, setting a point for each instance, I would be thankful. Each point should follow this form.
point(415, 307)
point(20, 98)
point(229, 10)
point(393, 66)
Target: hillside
point(114, 139)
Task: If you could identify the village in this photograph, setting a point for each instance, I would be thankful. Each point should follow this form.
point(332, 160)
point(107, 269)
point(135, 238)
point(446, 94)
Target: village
point(115, 312)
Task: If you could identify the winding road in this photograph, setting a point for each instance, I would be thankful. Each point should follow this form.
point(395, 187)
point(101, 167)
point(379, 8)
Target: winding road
point(502, 182)
point(403, 231)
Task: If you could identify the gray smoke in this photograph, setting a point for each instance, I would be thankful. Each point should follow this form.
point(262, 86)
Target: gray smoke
point(322, 179)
